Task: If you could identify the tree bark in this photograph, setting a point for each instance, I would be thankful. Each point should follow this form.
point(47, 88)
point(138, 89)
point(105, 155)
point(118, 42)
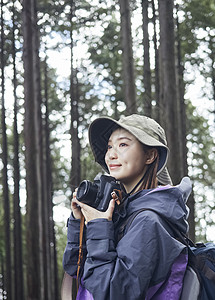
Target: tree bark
point(18, 261)
point(128, 61)
point(35, 280)
point(74, 95)
point(51, 244)
point(212, 57)
point(7, 239)
point(169, 96)
point(183, 131)
point(155, 114)
point(147, 98)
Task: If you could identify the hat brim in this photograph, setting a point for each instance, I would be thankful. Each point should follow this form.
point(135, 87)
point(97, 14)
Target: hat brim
point(100, 131)
point(164, 177)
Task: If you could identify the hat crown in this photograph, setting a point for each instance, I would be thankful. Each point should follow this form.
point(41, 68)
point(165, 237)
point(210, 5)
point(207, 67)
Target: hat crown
point(146, 124)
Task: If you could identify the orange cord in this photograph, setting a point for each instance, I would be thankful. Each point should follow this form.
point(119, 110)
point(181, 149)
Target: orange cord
point(80, 254)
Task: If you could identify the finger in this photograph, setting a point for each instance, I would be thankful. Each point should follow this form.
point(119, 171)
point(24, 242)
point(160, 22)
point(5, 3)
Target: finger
point(81, 204)
point(73, 204)
point(110, 209)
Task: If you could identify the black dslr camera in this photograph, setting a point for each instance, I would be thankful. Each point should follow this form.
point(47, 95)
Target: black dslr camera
point(97, 194)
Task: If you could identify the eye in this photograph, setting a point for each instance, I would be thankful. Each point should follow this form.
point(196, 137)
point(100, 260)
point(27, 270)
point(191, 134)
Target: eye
point(109, 147)
point(123, 145)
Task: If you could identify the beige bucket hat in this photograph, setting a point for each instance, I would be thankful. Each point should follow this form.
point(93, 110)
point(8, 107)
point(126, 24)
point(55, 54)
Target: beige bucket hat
point(145, 129)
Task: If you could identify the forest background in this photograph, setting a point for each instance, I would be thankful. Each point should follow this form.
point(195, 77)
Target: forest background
point(64, 63)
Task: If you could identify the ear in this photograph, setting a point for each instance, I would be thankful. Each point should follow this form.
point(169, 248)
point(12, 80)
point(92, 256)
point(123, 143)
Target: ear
point(152, 154)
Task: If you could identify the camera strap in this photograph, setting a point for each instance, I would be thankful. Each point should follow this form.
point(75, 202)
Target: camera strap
point(80, 254)
point(117, 196)
point(136, 186)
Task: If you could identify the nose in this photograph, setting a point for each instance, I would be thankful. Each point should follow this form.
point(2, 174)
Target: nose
point(112, 153)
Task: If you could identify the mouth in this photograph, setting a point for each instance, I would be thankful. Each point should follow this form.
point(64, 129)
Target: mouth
point(114, 166)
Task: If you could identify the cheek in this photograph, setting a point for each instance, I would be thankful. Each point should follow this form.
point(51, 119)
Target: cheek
point(138, 162)
point(106, 157)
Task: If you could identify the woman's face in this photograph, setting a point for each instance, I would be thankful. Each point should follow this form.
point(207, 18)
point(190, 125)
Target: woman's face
point(126, 158)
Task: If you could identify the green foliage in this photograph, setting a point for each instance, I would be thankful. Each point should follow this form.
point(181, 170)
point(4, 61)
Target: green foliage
point(197, 32)
point(201, 13)
point(201, 146)
point(89, 168)
point(201, 160)
point(106, 56)
point(198, 44)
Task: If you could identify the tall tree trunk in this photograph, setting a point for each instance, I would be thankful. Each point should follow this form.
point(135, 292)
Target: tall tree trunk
point(45, 287)
point(8, 266)
point(212, 57)
point(32, 131)
point(169, 100)
point(146, 65)
point(49, 194)
point(155, 114)
point(128, 61)
point(33, 267)
point(18, 261)
point(46, 240)
point(76, 148)
point(183, 131)
point(76, 165)
point(182, 118)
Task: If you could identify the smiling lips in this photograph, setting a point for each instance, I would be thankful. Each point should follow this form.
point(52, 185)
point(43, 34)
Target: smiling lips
point(114, 166)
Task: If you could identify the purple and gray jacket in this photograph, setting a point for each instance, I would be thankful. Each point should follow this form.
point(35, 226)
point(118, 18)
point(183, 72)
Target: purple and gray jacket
point(147, 263)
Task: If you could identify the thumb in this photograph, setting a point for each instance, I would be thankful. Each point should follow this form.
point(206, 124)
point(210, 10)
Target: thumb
point(110, 209)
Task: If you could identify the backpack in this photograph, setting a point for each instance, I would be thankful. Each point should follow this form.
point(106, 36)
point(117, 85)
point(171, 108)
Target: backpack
point(199, 279)
point(202, 260)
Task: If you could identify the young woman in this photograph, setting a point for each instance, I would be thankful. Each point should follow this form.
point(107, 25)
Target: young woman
point(146, 261)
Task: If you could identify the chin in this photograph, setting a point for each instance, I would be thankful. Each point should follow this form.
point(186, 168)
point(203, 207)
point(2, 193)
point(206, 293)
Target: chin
point(115, 176)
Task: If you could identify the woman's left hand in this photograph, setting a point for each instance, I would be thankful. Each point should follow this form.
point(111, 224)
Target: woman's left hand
point(91, 213)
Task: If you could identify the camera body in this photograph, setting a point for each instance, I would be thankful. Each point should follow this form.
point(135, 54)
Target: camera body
point(97, 194)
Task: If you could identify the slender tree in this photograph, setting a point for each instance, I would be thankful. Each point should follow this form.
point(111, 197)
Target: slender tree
point(182, 108)
point(76, 165)
point(7, 239)
point(212, 69)
point(51, 252)
point(74, 99)
point(18, 261)
point(46, 193)
point(32, 128)
point(155, 79)
point(128, 65)
point(183, 126)
point(146, 65)
point(169, 94)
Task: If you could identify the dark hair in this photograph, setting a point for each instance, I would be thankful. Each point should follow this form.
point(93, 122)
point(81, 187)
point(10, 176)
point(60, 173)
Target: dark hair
point(150, 178)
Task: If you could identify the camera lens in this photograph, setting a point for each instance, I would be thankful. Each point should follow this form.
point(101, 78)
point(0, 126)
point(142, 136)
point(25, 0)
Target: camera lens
point(87, 192)
point(82, 190)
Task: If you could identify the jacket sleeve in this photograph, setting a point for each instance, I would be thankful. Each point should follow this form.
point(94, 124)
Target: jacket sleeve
point(70, 257)
point(125, 271)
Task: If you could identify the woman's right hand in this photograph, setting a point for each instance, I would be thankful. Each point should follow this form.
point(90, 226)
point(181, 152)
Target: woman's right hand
point(76, 210)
